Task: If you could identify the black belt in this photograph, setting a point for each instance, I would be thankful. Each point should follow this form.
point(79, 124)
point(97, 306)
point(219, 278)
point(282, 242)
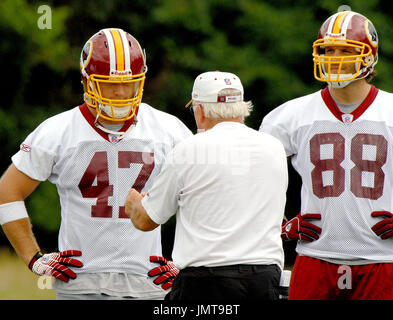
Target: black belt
point(241, 268)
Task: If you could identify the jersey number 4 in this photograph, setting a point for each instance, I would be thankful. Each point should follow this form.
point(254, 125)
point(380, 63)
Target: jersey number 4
point(102, 190)
point(361, 165)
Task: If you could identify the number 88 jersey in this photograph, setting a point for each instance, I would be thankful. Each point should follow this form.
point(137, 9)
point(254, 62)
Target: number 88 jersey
point(93, 174)
point(346, 165)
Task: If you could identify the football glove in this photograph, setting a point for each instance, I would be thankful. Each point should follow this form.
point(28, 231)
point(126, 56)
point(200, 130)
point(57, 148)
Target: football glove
point(166, 272)
point(299, 228)
point(56, 264)
point(384, 228)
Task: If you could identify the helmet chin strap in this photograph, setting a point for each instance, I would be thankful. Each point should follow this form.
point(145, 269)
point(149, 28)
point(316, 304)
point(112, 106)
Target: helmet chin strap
point(341, 84)
point(115, 111)
point(120, 134)
point(344, 83)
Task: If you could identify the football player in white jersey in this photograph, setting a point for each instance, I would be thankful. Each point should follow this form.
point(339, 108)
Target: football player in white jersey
point(340, 142)
point(94, 153)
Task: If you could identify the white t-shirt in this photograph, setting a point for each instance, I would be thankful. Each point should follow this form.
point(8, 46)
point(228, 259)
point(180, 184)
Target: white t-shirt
point(93, 172)
point(346, 165)
point(228, 187)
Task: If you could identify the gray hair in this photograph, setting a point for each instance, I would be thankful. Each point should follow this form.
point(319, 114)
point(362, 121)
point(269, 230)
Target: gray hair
point(226, 110)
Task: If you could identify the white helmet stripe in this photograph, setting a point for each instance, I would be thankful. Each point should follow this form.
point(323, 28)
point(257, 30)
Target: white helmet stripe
point(331, 24)
point(340, 21)
point(111, 48)
point(126, 49)
point(346, 23)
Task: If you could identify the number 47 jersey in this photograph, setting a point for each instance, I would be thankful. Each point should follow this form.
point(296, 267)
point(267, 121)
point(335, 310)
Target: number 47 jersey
point(346, 165)
point(93, 173)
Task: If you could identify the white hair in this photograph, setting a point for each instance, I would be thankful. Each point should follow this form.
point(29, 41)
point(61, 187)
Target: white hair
point(226, 110)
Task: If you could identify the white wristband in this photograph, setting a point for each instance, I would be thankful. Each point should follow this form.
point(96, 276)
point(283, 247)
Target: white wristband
point(12, 211)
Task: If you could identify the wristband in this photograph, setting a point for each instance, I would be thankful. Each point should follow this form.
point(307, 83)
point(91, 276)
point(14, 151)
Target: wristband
point(12, 211)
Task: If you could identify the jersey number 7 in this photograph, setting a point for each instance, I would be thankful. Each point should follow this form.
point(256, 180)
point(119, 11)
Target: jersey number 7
point(98, 168)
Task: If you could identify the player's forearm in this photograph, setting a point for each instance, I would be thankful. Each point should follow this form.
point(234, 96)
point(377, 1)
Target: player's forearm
point(21, 237)
point(142, 221)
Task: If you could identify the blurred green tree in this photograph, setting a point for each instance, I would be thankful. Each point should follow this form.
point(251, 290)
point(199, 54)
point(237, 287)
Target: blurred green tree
point(31, 59)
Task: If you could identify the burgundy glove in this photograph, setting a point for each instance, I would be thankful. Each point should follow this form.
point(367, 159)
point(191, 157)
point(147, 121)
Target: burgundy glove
point(55, 264)
point(384, 228)
point(299, 229)
point(167, 272)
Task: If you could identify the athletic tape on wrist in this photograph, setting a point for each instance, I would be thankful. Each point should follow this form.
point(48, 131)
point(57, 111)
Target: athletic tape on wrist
point(12, 211)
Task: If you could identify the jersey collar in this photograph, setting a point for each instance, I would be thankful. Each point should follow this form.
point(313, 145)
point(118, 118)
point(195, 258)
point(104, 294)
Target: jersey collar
point(331, 104)
point(84, 109)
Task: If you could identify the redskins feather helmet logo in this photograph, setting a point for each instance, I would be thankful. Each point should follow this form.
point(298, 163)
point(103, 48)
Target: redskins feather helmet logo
point(86, 55)
point(371, 33)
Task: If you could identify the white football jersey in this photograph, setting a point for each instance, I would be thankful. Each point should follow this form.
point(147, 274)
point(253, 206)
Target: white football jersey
point(346, 165)
point(93, 172)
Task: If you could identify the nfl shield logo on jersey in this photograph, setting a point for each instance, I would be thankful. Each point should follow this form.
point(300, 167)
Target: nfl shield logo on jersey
point(347, 118)
point(113, 138)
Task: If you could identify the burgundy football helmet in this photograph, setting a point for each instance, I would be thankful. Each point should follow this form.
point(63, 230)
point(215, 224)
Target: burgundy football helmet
point(345, 29)
point(113, 56)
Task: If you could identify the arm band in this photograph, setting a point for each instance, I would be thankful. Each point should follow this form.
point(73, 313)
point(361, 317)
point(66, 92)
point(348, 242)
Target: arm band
point(12, 211)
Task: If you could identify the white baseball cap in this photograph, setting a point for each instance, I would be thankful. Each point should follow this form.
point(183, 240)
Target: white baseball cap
point(208, 85)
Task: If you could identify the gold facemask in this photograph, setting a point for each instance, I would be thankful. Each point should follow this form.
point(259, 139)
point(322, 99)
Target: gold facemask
point(323, 70)
point(114, 109)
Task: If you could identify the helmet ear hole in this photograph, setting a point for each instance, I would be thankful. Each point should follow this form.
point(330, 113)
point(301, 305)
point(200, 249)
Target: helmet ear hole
point(368, 60)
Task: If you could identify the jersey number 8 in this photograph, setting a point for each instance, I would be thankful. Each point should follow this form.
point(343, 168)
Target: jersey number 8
point(361, 165)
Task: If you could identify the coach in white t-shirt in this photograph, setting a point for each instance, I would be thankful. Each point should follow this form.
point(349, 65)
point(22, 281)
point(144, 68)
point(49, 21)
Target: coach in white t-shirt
point(227, 186)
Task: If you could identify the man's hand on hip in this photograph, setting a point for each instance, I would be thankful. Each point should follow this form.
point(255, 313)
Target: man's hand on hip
point(299, 228)
point(56, 264)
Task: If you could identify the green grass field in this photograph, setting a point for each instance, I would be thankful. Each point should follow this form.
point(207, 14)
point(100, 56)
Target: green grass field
point(18, 282)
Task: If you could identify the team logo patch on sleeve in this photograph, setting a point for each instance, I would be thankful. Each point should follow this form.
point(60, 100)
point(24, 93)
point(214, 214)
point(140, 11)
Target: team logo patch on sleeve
point(24, 147)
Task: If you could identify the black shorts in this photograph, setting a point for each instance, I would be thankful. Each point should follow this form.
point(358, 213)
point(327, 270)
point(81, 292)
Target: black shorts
point(234, 282)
